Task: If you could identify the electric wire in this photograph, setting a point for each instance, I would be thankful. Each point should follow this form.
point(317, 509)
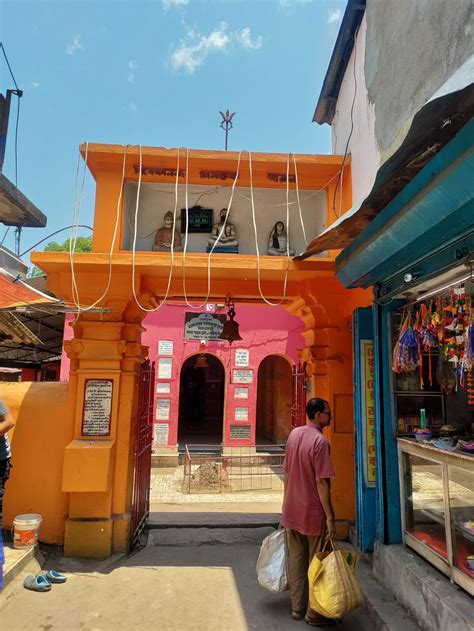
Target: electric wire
point(52, 235)
point(19, 94)
point(346, 150)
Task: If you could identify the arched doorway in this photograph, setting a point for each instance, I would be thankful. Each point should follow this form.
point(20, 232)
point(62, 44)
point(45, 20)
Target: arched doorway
point(201, 401)
point(274, 397)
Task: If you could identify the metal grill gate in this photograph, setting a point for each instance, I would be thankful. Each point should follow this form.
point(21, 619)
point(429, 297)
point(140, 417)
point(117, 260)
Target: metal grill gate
point(298, 406)
point(143, 445)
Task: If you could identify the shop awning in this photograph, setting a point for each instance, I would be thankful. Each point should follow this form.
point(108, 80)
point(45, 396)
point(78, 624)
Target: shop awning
point(437, 122)
point(31, 324)
point(15, 293)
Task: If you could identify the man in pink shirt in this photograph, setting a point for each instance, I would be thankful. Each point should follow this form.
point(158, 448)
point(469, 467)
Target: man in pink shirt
point(308, 515)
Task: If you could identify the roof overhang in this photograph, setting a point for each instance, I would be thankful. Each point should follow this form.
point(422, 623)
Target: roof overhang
point(326, 105)
point(211, 167)
point(237, 274)
point(434, 210)
point(16, 209)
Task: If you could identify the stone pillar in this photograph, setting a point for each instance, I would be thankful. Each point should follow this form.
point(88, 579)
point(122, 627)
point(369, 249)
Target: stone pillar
point(98, 469)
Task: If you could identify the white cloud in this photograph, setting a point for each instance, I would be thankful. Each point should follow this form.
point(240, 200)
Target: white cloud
point(195, 48)
point(244, 38)
point(286, 5)
point(168, 4)
point(133, 67)
point(34, 84)
point(334, 16)
point(132, 106)
point(74, 46)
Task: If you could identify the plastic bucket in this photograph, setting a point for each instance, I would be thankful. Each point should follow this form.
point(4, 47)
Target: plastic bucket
point(25, 530)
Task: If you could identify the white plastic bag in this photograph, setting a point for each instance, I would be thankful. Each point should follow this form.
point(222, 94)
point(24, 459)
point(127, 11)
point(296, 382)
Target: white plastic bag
point(271, 563)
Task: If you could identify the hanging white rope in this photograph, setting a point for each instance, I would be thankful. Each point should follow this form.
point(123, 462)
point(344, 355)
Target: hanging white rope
point(72, 247)
point(252, 201)
point(298, 200)
point(135, 231)
point(221, 232)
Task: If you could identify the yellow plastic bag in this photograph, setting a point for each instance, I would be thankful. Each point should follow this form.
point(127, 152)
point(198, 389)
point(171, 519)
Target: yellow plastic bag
point(333, 587)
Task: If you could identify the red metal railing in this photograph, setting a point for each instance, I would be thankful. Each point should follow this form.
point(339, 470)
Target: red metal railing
point(239, 470)
point(298, 406)
point(143, 448)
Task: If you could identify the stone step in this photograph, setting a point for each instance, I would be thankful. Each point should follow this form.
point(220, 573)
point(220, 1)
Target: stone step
point(17, 560)
point(384, 611)
point(433, 602)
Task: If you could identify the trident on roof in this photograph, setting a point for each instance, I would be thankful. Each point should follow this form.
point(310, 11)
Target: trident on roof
point(226, 123)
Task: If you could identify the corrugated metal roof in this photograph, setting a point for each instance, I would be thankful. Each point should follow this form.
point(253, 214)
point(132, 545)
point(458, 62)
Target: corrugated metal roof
point(326, 105)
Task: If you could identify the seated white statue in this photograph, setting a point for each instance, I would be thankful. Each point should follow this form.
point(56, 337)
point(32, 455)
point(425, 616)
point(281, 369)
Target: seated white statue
point(228, 237)
point(278, 241)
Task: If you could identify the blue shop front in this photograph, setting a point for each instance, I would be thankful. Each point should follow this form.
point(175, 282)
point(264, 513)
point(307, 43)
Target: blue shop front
point(414, 352)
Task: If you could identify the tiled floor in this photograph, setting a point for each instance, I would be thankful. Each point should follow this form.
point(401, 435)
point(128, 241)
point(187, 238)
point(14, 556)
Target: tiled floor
point(166, 487)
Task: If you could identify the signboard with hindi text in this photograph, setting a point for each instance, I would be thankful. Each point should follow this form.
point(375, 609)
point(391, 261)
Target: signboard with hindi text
point(203, 326)
point(97, 410)
point(368, 409)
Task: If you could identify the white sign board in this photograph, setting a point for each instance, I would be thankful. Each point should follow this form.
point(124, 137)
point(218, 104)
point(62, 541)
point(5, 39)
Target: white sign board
point(163, 388)
point(161, 433)
point(165, 347)
point(97, 412)
point(241, 414)
point(165, 366)
point(242, 376)
point(241, 357)
point(163, 409)
point(241, 393)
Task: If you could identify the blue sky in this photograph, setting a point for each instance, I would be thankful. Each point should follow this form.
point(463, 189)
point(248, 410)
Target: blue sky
point(157, 73)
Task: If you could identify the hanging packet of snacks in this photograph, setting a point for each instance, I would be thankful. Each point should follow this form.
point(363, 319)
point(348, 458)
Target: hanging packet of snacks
point(406, 356)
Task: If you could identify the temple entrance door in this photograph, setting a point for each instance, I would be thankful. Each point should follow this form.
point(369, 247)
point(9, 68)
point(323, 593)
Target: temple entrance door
point(201, 401)
point(274, 399)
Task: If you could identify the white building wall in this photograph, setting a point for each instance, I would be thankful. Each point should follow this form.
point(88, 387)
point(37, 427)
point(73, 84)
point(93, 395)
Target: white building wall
point(361, 118)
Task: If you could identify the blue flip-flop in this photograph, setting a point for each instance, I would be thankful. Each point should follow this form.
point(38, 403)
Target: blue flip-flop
point(37, 583)
point(52, 576)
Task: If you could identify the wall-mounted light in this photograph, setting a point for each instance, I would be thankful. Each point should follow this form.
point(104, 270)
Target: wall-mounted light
point(201, 361)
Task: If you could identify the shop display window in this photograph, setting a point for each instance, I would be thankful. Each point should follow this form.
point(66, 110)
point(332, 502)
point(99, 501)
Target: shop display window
point(461, 502)
point(437, 492)
point(424, 503)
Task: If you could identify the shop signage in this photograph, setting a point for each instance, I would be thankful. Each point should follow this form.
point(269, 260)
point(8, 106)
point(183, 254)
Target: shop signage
point(242, 356)
point(203, 326)
point(97, 414)
point(165, 367)
point(163, 409)
point(240, 432)
point(165, 347)
point(161, 432)
point(241, 393)
point(241, 414)
point(368, 410)
point(242, 376)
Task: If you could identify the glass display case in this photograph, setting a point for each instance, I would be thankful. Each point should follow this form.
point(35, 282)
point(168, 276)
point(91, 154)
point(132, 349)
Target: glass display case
point(437, 490)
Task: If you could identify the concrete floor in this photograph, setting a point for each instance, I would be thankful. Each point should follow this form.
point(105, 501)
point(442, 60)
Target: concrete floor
point(168, 587)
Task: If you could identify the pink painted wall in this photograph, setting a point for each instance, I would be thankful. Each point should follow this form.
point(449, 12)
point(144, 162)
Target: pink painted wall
point(265, 331)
